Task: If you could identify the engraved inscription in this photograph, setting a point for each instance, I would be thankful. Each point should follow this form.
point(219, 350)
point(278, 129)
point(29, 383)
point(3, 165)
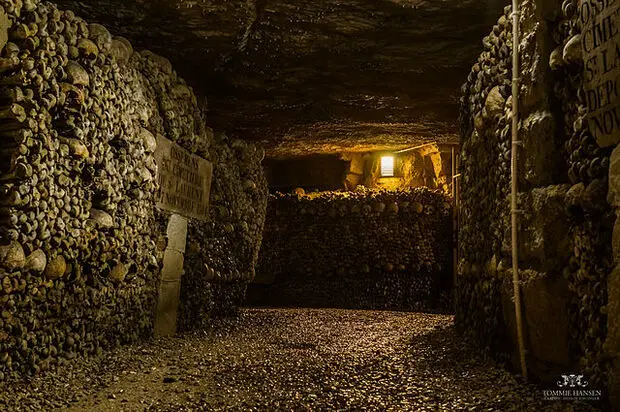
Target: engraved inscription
point(600, 25)
point(184, 180)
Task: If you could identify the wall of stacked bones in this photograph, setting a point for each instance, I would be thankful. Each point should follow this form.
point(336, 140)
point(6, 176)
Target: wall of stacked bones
point(363, 249)
point(81, 241)
point(566, 224)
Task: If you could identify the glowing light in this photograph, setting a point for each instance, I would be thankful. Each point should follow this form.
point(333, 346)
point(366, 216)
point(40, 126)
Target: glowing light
point(387, 166)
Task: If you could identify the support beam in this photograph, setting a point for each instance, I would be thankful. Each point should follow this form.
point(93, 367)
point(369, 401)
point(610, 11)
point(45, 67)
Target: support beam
point(514, 170)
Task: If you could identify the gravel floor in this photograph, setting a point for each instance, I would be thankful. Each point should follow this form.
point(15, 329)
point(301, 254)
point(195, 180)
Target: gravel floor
point(289, 359)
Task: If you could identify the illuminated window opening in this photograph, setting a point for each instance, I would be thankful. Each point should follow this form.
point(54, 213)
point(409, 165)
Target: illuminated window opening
point(387, 166)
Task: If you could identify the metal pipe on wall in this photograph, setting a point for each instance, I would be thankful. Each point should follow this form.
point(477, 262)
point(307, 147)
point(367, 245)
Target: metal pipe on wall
point(415, 147)
point(514, 169)
point(454, 220)
point(426, 144)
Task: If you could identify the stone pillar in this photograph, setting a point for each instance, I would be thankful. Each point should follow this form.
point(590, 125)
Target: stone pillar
point(612, 343)
point(170, 280)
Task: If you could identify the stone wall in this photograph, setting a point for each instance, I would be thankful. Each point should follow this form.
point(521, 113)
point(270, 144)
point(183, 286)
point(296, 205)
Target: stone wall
point(365, 249)
point(428, 166)
point(565, 225)
point(82, 243)
point(222, 254)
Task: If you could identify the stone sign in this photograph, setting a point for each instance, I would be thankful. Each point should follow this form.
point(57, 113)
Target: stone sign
point(600, 43)
point(184, 180)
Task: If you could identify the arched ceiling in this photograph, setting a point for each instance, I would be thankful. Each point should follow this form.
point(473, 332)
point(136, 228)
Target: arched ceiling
point(314, 76)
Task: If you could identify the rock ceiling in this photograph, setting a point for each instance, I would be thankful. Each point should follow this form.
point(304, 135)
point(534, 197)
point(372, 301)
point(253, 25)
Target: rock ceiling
point(317, 76)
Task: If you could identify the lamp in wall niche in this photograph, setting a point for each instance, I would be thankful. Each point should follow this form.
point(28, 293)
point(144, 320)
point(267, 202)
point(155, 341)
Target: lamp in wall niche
point(387, 166)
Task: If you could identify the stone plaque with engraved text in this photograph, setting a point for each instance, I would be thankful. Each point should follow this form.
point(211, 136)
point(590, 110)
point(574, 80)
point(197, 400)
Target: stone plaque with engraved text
point(184, 180)
point(600, 42)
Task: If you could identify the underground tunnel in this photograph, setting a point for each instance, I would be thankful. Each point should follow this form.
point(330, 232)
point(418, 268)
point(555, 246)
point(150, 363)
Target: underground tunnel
point(309, 205)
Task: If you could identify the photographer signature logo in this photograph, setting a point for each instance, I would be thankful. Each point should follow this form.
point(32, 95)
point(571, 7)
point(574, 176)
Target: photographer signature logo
point(572, 381)
point(573, 388)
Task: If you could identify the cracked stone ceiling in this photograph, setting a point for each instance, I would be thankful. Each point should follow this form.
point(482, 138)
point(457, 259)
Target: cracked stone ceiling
point(314, 76)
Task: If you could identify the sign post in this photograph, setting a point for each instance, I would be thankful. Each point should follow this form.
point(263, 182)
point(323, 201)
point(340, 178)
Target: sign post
point(185, 185)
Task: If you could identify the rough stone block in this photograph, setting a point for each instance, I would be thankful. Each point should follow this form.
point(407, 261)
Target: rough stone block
point(540, 155)
point(544, 300)
point(544, 229)
point(357, 164)
point(594, 197)
point(575, 198)
point(536, 47)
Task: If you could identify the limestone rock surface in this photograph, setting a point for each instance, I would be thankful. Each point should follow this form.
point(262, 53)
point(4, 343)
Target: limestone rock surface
point(363, 73)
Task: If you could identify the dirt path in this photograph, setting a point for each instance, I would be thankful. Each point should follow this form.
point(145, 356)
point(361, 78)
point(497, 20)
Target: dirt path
point(288, 359)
